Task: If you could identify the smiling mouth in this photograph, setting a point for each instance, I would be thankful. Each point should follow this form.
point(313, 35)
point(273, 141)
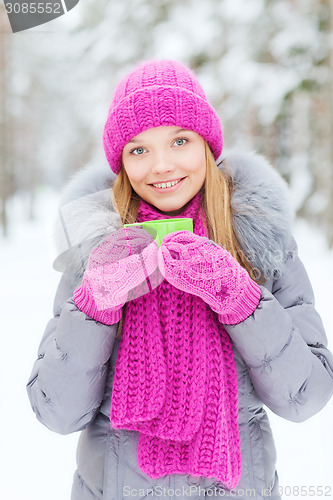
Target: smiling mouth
point(164, 185)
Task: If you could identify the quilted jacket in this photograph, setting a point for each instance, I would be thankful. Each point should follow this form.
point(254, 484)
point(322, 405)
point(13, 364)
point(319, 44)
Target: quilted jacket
point(281, 351)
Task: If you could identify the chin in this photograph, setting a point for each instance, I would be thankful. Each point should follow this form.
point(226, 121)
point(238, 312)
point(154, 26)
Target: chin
point(172, 210)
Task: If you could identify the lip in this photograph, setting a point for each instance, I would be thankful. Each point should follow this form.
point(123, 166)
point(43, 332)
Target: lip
point(169, 189)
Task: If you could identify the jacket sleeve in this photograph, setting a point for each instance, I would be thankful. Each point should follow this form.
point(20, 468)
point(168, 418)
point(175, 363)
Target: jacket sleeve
point(67, 383)
point(284, 345)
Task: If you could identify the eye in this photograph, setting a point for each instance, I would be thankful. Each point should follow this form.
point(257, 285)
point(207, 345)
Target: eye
point(138, 151)
point(181, 141)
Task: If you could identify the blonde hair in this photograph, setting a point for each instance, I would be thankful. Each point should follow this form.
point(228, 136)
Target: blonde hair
point(216, 201)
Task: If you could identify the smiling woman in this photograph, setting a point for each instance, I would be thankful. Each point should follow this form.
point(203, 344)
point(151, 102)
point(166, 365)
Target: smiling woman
point(167, 167)
point(169, 385)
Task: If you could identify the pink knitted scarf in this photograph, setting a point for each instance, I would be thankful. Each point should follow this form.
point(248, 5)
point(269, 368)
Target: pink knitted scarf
point(175, 379)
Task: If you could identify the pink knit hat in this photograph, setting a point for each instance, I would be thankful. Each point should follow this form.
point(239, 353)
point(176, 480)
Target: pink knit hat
point(158, 93)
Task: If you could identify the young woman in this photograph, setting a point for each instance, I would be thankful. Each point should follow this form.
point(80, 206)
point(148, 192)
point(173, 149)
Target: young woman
point(164, 356)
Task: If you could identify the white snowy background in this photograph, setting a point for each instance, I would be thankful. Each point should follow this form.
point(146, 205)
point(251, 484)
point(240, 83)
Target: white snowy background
point(65, 79)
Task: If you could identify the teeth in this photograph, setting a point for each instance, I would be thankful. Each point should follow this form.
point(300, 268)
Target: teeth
point(166, 184)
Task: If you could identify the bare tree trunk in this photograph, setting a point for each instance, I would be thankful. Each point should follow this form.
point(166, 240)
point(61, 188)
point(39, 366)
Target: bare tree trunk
point(5, 177)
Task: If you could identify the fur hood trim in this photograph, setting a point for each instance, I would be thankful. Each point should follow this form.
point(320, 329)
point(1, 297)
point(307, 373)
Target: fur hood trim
point(262, 215)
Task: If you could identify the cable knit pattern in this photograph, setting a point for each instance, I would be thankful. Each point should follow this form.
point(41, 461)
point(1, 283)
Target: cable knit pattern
point(199, 266)
point(111, 276)
point(175, 379)
point(118, 270)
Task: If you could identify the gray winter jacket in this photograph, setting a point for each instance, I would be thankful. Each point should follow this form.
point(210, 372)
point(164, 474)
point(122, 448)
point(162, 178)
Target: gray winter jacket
point(280, 350)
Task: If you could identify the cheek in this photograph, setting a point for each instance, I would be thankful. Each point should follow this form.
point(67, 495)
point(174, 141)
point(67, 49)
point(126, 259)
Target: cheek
point(135, 174)
point(135, 179)
point(199, 167)
point(196, 161)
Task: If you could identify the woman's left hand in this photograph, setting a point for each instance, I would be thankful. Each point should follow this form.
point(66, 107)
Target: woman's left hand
point(201, 267)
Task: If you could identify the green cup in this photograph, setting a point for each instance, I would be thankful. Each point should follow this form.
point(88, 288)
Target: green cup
point(160, 228)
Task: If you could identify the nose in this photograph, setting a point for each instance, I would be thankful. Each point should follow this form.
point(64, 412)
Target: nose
point(162, 163)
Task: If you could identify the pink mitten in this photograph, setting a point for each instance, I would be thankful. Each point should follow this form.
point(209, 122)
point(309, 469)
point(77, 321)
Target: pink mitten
point(199, 266)
point(118, 270)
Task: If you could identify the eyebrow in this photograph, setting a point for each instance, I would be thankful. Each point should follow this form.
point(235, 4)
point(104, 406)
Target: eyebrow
point(173, 132)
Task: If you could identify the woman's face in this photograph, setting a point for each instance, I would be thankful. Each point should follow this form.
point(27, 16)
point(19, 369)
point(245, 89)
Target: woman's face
point(164, 155)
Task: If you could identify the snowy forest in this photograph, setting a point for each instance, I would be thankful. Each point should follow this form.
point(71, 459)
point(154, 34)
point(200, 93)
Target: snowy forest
point(266, 66)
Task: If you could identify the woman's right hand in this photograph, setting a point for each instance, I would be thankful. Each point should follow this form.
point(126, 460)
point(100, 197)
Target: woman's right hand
point(118, 270)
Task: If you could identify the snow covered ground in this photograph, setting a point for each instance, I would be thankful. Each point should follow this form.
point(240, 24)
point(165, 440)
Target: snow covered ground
point(37, 464)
